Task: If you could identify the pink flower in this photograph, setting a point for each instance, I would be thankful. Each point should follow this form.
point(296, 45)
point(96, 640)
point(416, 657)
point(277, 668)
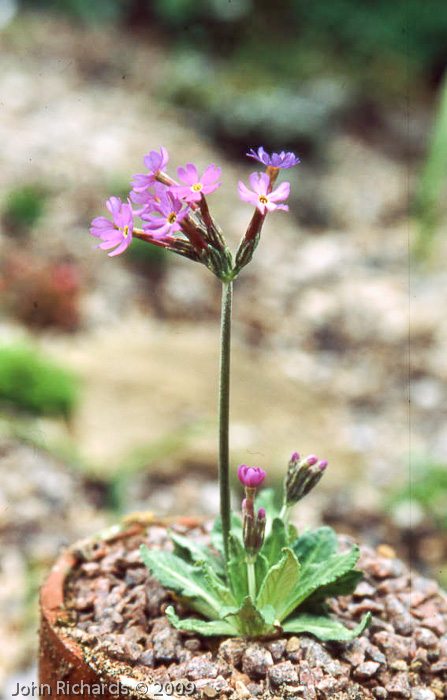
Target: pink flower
point(250, 476)
point(196, 186)
point(165, 214)
point(261, 197)
point(155, 163)
point(117, 233)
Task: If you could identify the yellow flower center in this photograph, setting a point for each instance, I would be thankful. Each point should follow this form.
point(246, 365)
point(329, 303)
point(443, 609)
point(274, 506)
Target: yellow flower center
point(197, 187)
point(125, 231)
point(263, 199)
point(172, 218)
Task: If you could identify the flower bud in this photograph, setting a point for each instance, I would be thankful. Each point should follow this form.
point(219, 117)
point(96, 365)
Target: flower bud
point(251, 477)
point(253, 531)
point(302, 477)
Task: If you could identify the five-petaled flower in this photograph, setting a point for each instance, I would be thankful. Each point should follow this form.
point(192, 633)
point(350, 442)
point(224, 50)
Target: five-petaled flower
point(155, 163)
point(165, 213)
point(117, 233)
point(195, 187)
point(276, 160)
point(261, 197)
point(251, 477)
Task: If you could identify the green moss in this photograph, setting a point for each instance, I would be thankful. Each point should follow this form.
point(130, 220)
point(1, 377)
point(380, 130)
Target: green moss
point(23, 208)
point(32, 384)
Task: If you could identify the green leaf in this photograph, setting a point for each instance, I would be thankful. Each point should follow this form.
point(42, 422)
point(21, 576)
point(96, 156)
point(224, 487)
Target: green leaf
point(206, 628)
point(237, 568)
point(292, 533)
point(314, 575)
point(217, 585)
point(275, 542)
point(261, 569)
point(250, 621)
point(325, 628)
point(186, 580)
point(344, 585)
point(193, 552)
point(316, 546)
point(280, 580)
point(217, 536)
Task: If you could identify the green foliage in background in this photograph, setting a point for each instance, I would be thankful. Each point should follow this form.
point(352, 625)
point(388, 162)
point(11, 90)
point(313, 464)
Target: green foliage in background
point(414, 30)
point(32, 384)
point(433, 178)
point(23, 208)
point(96, 12)
point(427, 487)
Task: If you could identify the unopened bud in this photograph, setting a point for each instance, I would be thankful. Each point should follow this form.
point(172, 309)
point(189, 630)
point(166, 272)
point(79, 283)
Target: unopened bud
point(251, 477)
point(302, 477)
point(253, 531)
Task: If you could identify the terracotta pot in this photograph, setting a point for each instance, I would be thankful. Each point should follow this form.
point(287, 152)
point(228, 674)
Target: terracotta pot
point(63, 671)
point(68, 669)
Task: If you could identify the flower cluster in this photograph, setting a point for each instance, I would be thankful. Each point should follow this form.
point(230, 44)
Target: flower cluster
point(302, 476)
point(174, 213)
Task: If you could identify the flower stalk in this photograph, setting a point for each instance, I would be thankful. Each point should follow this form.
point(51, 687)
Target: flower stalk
point(224, 411)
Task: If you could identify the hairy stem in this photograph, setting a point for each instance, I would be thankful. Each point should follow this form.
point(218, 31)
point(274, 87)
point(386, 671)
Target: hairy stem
point(224, 411)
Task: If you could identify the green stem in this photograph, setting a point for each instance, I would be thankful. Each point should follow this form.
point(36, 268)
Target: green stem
point(251, 576)
point(284, 514)
point(224, 411)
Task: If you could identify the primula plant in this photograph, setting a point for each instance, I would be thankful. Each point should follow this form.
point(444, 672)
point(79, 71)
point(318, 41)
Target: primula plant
point(259, 577)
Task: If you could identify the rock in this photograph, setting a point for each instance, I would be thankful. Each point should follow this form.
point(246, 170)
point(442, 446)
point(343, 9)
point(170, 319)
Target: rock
point(256, 661)
point(380, 692)
point(231, 650)
point(166, 641)
point(212, 687)
point(147, 658)
point(439, 666)
point(363, 590)
point(314, 653)
point(399, 686)
point(394, 646)
point(375, 654)
point(421, 693)
point(283, 674)
point(426, 586)
point(366, 670)
point(425, 637)
point(277, 649)
point(354, 652)
point(308, 679)
point(293, 645)
point(436, 623)
point(200, 667)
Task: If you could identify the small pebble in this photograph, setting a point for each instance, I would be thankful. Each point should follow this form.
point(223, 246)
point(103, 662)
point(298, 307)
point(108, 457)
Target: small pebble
point(256, 661)
point(439, 667)
point(425, 637)
point(283, 674)
point(421, 693)
point(242, 690)
point(399, 686)
point(293, 644)
point(366, 670)
point(380, 692)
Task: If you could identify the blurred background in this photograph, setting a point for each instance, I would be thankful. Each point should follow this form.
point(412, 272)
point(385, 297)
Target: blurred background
point(108, 367)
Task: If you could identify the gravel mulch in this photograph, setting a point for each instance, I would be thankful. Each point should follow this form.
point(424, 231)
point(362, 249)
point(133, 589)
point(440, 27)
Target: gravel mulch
point(116, 610)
